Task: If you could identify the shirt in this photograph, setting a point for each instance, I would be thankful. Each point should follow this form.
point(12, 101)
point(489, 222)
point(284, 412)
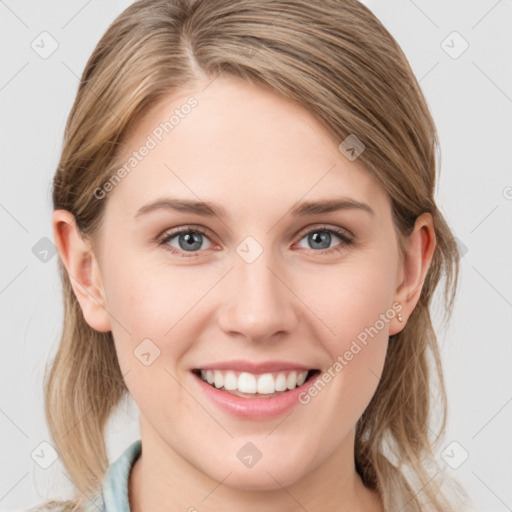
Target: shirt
point(114, 487)
point(115, 481)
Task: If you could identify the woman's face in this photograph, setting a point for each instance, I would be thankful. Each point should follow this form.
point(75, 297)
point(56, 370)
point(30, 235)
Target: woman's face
point(263, 286)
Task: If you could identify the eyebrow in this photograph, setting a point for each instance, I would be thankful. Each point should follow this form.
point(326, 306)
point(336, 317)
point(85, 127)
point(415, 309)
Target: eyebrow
point(208, 209)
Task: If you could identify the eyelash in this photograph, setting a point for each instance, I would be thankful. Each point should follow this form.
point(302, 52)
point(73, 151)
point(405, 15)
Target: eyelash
point(345, 240)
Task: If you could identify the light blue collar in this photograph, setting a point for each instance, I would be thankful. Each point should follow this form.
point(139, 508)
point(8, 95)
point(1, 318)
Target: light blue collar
point(115, 482)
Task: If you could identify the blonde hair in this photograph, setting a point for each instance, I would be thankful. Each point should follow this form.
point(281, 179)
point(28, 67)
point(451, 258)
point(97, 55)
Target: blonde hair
point(338, 61)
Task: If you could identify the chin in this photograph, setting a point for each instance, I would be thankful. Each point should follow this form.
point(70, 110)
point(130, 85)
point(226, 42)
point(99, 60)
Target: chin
point(261, 481)
point(261, 477)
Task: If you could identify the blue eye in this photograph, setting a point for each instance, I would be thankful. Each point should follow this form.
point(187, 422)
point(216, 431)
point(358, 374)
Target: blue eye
point(190, 240)
point(320, 237)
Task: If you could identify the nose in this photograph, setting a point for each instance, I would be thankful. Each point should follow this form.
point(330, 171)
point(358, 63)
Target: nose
point(258, 302)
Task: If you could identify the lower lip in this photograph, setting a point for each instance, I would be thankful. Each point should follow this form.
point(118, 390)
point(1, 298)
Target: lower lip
point(254, 408)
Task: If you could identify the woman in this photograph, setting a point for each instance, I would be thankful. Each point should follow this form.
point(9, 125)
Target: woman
point(249, 245)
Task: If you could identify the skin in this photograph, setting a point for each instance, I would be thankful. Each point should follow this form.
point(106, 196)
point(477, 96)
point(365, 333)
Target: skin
point(256, 154)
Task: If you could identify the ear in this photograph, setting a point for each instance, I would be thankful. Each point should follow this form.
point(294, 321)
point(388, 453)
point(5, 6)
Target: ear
point(413, 269)
point(83, 270)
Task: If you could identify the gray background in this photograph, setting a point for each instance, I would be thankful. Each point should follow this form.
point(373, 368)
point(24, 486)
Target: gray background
point(470, 96)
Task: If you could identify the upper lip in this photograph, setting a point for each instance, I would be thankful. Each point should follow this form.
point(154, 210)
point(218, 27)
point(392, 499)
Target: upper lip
point(256, 368)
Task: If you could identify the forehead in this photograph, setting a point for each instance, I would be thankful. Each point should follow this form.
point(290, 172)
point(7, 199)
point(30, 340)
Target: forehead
point(240, 145)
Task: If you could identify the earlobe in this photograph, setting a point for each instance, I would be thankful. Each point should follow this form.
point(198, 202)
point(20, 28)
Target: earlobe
point(82, 267)
point(419, 251)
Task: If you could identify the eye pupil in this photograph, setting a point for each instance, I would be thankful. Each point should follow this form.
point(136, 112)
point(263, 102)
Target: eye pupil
point(191, 239)
point(318, 237)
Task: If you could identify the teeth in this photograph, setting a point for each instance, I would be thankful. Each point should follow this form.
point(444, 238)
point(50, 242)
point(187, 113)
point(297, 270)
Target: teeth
point(280, 383)
point(265, 384)
point(291, 381)
point(247, 383)
point(301, 378)
point(218, 379)
point(230, 381)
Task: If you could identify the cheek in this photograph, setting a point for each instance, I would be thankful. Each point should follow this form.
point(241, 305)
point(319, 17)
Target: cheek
point(353, 301)
point(152, 332)
point(145, 297)
point(146, 310)
point(356, 308)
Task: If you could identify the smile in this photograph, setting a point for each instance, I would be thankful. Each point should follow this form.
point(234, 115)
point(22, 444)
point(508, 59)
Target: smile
point(254, 391)
point(252, 385)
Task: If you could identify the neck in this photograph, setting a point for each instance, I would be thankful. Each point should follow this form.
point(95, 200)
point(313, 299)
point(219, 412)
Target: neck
point(162, 480)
